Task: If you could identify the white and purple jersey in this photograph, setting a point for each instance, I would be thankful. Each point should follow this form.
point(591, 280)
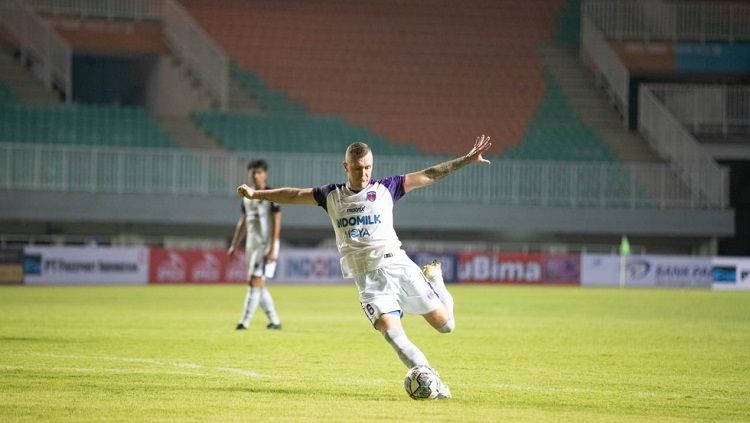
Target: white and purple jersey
point(363, 222)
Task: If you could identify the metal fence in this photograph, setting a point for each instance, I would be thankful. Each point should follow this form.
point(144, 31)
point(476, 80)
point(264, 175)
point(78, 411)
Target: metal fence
point(177, 172)
point(707, 109)
point(672, 140)
point(50, 56)
point(661, 20)
point(189, 42)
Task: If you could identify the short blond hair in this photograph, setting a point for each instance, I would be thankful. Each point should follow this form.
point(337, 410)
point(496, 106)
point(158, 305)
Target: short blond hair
point(356, 150)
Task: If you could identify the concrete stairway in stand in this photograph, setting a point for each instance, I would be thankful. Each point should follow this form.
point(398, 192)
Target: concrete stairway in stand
point(594, 110)
point(21, 82)
point(187, 134)
point(591, 105)
point(241, 100)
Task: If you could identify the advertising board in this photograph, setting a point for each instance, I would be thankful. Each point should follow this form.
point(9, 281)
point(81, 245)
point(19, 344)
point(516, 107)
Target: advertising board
point(11, 266)
point(85, 265)
point(647, 270)
point(195, 266)
point(730, 273)
point(520, 268)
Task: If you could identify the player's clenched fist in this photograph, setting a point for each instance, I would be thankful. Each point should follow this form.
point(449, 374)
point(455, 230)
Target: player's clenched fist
point(245, 191)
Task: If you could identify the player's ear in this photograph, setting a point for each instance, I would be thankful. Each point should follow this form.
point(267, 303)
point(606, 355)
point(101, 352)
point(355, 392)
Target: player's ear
point(346, 167)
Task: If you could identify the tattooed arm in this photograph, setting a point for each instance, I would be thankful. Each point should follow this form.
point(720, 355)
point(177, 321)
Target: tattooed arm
point(432, 174)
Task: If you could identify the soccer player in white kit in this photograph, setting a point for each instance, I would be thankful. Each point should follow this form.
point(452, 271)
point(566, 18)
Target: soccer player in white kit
point(261, 221)
point(361, 212)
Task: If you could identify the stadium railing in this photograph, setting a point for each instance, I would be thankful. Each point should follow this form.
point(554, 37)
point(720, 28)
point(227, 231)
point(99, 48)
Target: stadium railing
point(51, 57)
point(671, 139)
point(107, 170)
point(661, 20)
point(184, 36)
point(602, 20)
point(707, 109)
point(109, 9)
point(197, 49)
point(611, 73)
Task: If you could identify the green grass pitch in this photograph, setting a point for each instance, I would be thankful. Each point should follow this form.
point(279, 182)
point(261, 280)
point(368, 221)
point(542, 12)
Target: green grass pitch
point(169, 353)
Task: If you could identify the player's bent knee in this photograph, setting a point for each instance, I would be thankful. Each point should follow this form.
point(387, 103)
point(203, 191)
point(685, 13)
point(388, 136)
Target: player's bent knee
point(387, 321)
point(448, 327)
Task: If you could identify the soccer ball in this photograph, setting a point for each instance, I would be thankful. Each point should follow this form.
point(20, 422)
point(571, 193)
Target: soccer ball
point(421, 383)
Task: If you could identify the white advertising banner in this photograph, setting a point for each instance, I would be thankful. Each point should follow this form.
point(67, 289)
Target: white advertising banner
point(600, 270)
point(85, 265)
point(647, 270)
point(309, 266)
point(730, 273)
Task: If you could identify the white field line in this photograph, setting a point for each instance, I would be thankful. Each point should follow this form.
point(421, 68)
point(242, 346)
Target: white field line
point(207, 370)
point(107, 370)
point(159, 363)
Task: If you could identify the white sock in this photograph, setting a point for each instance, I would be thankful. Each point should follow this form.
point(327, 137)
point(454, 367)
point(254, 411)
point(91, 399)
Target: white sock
point(409, 354)
point(251, 304)
point(438, 284)
point(266, 301)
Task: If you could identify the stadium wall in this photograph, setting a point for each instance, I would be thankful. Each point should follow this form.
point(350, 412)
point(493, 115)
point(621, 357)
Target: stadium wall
point(428, 218)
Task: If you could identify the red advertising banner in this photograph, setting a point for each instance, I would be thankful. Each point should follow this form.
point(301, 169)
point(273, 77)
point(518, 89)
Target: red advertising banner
point(195, 266)
point(519, 268)
point(214, 266)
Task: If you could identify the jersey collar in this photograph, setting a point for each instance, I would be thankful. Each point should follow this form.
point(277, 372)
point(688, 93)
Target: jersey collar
point(358, 191)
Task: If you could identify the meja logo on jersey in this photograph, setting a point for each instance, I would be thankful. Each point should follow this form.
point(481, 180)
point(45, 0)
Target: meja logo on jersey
point(357, 220)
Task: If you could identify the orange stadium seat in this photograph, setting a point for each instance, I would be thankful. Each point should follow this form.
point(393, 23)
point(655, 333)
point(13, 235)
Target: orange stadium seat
point(430, 76)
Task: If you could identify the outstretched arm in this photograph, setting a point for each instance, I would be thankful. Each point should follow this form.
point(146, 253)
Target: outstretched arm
point(279, 195)
point(433, 174)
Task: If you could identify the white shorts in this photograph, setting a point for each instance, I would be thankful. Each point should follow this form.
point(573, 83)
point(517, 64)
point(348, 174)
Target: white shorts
point(255, 258)
point(399, 286)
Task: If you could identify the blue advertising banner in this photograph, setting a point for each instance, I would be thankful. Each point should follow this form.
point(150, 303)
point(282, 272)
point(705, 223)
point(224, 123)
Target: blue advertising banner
point(712, 58)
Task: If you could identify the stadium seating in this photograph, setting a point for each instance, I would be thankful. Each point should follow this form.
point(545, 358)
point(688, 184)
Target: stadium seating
point(568, 30)
point(270, 100)
point(431, 77)
point(78, 124)
point(291, 132)
point(556, 133)
point(426, 78)
point(5, 95)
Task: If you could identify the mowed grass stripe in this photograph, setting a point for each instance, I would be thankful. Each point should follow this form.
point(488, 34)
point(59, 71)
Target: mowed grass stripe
point(520, 353)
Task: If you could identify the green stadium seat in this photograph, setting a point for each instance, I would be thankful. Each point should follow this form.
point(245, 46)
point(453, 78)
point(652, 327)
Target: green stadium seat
point(270, 100)
point(556, 133)
point(5, 95)
point(112, 126)
point(290, 132)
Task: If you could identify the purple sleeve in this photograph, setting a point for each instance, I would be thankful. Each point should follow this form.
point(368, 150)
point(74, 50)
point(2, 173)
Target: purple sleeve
point(395, 185)
point(321, 194)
